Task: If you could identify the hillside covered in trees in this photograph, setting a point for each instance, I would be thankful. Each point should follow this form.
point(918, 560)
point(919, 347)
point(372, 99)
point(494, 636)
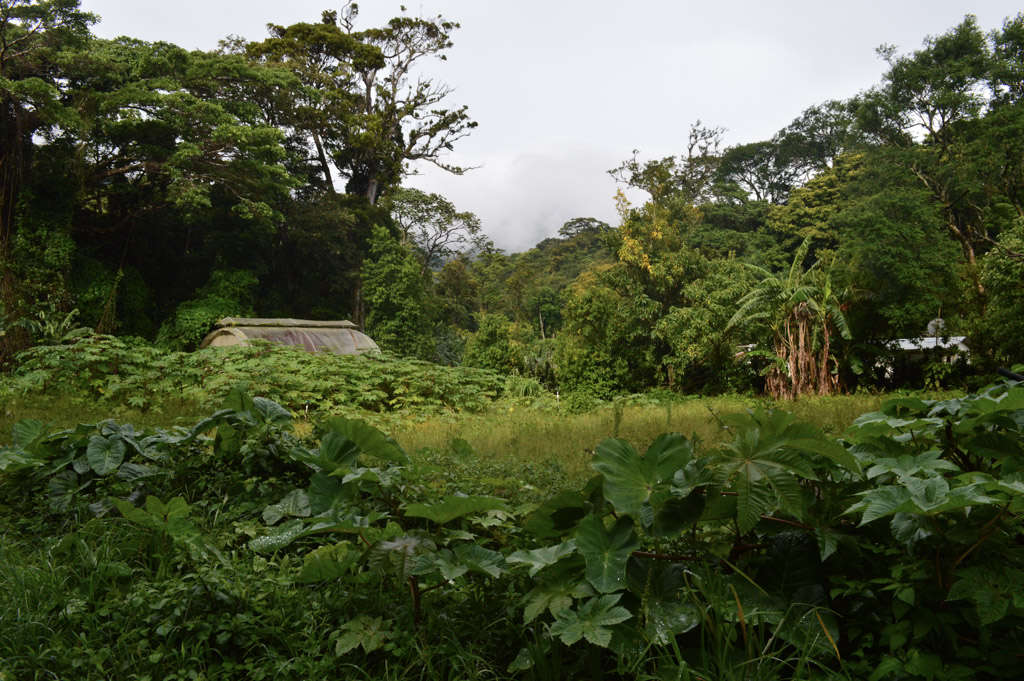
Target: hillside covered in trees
point(148, 191)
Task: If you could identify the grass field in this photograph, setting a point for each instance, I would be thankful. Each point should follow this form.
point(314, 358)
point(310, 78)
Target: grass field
point(527, 452)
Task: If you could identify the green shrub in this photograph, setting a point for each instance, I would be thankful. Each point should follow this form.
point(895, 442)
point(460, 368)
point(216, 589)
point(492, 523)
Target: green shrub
point(133, 373)
point(228, 293)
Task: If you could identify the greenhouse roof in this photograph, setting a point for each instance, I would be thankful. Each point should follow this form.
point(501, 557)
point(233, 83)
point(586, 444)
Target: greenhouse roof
point(338, 337)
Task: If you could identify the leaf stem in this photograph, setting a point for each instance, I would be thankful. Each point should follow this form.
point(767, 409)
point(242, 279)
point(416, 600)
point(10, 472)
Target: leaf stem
point(674, 559)
point(988, 529)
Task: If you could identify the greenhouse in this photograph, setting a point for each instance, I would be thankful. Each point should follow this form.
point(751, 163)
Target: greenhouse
point(339, 337)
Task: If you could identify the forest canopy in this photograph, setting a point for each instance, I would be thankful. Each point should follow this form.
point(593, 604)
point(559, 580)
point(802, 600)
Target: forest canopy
point(147, 190)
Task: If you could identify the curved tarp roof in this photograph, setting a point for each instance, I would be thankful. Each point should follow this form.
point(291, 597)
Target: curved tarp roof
point(339, 337)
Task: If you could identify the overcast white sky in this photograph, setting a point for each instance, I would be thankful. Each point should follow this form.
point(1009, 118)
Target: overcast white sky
point(564, 90)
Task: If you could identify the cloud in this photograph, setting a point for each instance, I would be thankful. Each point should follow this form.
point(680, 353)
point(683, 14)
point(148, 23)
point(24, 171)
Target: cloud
point(524, 196)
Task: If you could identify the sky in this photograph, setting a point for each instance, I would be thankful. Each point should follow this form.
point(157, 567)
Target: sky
point(564, 90)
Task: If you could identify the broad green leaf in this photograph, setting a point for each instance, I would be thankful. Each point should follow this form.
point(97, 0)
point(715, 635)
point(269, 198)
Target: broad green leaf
point(327, 562)
point(139, 516)
point(793, 563)
point(336, 451)
point(539, 559)
point(295, 504)
point(886, 668)
point(453, 507)
point(27, 433)
point(401, 554)
point(443, 562)
point(133, 472)
point(991, 589)
point(367, 632)
point(63, 487)
point(557, 516)
point(828, 541)
point(753, 499)
point(362, 475)
point(718, 508)
point(171, 517)
point(479, 559)
point(210, 422)
point(910, 528)
point(881, 502)
point(270, 411)
point(237, 401)
point(674, 515)
point(105, 454)
point(630, 479)
point(174, 508)
point(606, 552)
point(662, 590)
point(787, 489)
point(227, 440)
point(590, 621)
point(1011, 400)
point(370, 441)
point(805, 437)
point(554, 595)
point(325, 493)
point(523, 661)
point(287, 532)
point(13, 459)
point(923, 664)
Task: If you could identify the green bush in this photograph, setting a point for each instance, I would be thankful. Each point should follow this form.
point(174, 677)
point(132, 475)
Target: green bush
point(228, 293)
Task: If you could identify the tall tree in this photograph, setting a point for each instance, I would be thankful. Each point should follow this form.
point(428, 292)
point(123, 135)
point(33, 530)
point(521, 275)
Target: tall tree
point(433, 227)
point(31, 33)
point(325, 59)
point(926, 113)
point(361, 106)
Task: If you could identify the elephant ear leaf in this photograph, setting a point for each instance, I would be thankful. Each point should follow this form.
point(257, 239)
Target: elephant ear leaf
point(105, 455)
point(238, 401)
point(336, 451)
point(270, 411)
point(28, 433)
point(630, 479)
point(557, 516)
point(370, 441)
point(667, 454)
point(606, 551)
point(453, 507)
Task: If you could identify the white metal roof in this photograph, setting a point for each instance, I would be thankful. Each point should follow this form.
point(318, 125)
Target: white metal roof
point(929, 342)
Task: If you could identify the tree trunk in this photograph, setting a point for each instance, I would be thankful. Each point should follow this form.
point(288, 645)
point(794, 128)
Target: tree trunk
point(324, 165)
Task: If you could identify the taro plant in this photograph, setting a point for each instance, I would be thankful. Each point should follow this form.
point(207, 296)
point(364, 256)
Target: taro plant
point(413, 542)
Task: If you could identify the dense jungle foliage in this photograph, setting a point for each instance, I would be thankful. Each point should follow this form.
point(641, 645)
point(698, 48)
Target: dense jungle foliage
point(243, 547)
point(146, 191)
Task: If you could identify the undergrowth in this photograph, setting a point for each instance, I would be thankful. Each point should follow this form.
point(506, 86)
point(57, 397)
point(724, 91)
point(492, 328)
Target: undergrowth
point(252, 545)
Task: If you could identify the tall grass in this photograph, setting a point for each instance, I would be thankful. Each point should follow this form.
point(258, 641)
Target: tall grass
point(514, 437)
point(65, 412)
